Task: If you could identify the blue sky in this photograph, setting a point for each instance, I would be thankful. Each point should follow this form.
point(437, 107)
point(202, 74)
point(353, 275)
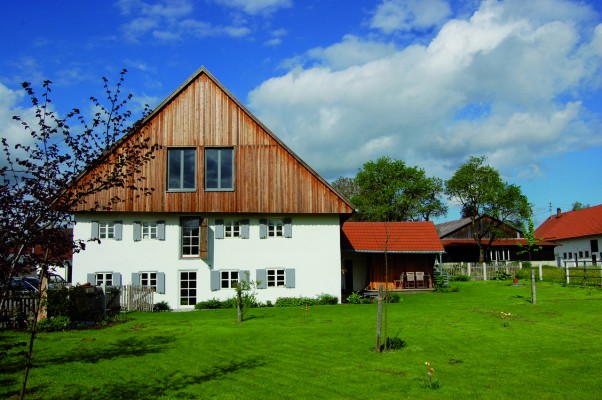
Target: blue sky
point(342, 82)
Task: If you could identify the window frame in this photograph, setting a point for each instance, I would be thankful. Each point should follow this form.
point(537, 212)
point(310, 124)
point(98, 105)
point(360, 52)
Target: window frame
point(104, 279)
point(185, 300)
point(182, 169)
point(153, 230)
point(275, 228)
point(106, 230)
point(232, 228)
point(219, 166)
point(277, 278)
point(230, 280)
point(190, 238)
point(154, 287)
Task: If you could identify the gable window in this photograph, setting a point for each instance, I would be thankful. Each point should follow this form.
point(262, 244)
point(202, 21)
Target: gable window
point(219, 169)
point(191, 237)
point(181, 169)
point(188, 285)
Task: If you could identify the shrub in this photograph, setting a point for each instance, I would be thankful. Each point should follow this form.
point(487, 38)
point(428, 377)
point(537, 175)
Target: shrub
point(393, 343)
point(459, 278)
point(52, 324)
point(215, 304)
point(393, 297)
point(327, 299)
point(294, 301)
point(161, 306)
point(355, 298)
point(524, 273)
point(501, 275)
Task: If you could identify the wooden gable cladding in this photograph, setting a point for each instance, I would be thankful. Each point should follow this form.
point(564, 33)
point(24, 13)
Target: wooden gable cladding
point(268, 177)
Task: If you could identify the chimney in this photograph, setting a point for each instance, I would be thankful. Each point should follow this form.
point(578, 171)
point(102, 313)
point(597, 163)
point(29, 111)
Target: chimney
point(558, 213)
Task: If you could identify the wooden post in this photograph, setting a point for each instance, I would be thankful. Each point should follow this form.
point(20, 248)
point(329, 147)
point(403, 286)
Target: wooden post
point(541, 271)
point(484, 271)
point(533, 293)
point(379, 316)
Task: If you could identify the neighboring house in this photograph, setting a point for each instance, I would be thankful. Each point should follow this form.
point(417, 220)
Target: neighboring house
point(578, 233)
point(460, 245)
point(370, 248)
point(230, 200)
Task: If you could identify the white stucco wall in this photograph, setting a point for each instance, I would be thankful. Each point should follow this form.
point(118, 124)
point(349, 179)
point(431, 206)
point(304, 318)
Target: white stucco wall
point(313, 251)
point(572, 247)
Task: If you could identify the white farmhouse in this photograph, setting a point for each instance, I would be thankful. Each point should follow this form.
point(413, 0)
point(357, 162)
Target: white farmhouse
point(229, 199)
point(578, 233)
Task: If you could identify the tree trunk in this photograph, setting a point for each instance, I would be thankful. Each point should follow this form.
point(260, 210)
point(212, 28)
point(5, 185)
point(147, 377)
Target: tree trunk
point(533, 292)
point(379, 317)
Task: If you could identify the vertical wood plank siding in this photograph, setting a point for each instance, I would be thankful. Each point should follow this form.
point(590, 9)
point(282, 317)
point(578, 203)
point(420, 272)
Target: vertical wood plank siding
point(268, 177)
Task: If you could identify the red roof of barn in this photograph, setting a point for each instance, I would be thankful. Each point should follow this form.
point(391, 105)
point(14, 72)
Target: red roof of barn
point(394, 237)
point(572, 224)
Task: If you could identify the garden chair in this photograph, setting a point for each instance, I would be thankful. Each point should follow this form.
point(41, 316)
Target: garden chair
point(410, 281)
point(420, 280)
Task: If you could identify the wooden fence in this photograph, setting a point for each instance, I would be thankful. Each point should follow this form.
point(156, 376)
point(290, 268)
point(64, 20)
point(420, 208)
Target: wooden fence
point(482, 271)
point(19, 307)
point(136, 298)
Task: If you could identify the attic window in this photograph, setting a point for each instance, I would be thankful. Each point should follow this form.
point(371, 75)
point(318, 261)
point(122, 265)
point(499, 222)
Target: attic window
point(219, 169)
point(181, 167)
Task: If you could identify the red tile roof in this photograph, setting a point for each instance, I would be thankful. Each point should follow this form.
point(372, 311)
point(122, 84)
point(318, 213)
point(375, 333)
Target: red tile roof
point(572, 224)
point(403, 237)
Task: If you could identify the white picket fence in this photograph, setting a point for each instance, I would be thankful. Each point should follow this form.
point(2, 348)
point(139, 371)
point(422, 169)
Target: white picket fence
point(484, 271)
point(136, 298)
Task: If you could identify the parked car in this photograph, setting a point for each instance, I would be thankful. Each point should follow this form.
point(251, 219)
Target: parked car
point(25, 283)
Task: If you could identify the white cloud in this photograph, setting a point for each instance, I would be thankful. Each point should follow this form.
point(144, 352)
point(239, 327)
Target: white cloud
point(257, 7)
point(505, 82)
point(171, 20)
point(12, 130)
point(405, 15)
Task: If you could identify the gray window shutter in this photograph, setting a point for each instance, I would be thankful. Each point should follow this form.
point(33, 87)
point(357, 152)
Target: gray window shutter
point(215, 281)
point(116, 279)
point(244, 276)
point(137, 232)
point(118, 230)
point(263, 228)
point(289, 277)
point(288, 228)
point(219, 228)
point(91, 279)
point(161, 230)
point(94, 233)
point(244, 228)
point(161, 282)
point(262, 279)
point(135, 278)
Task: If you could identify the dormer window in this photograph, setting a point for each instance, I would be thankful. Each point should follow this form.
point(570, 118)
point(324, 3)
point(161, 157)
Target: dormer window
point(219, 169)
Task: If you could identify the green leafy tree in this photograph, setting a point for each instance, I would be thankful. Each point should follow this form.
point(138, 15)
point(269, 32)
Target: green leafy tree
point(579, 206)
point(480, 190)
point(346, 186)
point(389, 190)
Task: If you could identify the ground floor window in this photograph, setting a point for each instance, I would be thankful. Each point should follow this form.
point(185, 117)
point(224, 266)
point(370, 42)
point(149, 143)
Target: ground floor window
point(149, 279)
point(104, 279)
point(188, 288)
point(228, 279)
point(275, 277)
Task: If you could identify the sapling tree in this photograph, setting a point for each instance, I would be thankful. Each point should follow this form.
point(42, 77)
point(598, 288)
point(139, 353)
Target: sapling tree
point(41, 185)
point(245, 295)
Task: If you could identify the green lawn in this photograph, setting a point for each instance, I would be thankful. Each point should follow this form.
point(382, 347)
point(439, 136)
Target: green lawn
point(550, 350)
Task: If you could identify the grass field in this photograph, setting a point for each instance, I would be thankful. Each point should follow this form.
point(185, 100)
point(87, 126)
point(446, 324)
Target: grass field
point(549, 350)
